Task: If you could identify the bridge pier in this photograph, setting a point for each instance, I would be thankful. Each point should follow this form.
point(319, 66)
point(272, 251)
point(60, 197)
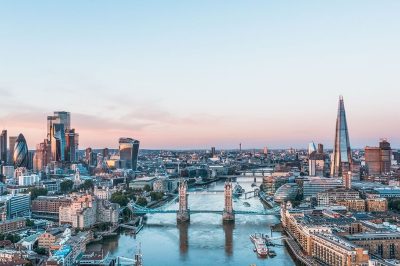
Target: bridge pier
point(228, 214)
point(183, 214)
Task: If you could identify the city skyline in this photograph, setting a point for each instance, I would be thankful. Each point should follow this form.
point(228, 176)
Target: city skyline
point(184, 76)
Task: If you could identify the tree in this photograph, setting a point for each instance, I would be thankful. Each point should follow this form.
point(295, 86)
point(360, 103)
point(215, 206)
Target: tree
point(141, 201)
point(120, 198)
point(29, 223)
point(156, 195)
point(37, 191)
point(40, 251)
point(13, 238)
point(147, 188)
point(88, 184)
point(66, 186)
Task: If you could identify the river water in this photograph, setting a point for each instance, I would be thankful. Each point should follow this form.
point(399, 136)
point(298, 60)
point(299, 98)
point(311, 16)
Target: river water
point(205, 241)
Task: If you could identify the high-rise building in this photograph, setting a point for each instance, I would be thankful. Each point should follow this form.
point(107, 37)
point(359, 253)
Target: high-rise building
point(317, 162)
point(57, 142)
point(42, 156)
point(128, 151)
point(347, 180)
point(70, 145)
point(20, 155)
point(386, 156)
point(3, 147)
point(213, 153)
point(341, 159)
point(11, 143)
point(311, 147)
point(378, 159)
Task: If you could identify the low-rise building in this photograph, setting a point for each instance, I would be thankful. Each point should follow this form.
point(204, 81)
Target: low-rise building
point(376, 205)
point(12, 225)
point(48, 207)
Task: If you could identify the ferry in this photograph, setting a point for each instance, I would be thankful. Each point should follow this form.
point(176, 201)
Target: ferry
point(259, 245)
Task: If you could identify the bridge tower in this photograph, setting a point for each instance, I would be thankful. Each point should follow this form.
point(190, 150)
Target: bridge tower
point(227, 214)
point(183, 214)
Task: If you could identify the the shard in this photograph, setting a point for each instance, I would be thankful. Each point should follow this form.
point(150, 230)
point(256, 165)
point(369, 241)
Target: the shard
point(341, 158)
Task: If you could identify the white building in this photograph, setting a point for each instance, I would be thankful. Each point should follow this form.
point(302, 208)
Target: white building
point(28, 180)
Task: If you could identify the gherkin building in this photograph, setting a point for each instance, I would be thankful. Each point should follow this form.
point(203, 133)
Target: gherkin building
point(20, 152)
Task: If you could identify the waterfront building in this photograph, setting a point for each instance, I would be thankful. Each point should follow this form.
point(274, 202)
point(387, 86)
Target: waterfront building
point(128, 151)
point(286, 192)
point(48, 206)
point(341, 159)
point(3, 147)
point(313, 185)
point(333, 250)
point(383, 244)
point(20, 156)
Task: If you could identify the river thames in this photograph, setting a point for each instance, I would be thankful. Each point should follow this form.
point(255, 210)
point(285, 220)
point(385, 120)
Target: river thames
point(205, 241)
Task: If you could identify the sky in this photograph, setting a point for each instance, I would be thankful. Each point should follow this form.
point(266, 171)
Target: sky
point(196, 74)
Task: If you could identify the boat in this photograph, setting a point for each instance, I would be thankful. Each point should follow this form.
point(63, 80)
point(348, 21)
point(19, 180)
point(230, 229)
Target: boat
point(254, 184)
point(238, 190)
point(271, 253)
point(259, 245)
point(246, 204)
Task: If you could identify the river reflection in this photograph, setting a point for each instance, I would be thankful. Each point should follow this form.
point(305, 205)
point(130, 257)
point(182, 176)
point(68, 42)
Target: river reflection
point(206, 240)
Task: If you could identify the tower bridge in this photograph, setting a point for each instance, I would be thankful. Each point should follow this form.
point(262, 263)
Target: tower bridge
point(183, 213)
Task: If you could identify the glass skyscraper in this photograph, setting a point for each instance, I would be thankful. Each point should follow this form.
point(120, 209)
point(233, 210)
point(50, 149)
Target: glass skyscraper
point(341, 159)
point(128, 151)
point(3, 146)
point(20, 152)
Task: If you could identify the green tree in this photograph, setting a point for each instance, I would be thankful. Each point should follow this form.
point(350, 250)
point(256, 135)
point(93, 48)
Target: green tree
point(66, 186)
point(40, 251)
point(156, 195)
point(147, 188)
point(141, 201)
point(13, 238)
point(120, 198)
point(37, 191)
point(88, 184)
point(29, 223)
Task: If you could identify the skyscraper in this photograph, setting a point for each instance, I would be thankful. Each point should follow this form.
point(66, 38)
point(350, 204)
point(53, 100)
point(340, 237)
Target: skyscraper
point(20, 152)
point(11, 142)
point(341, 159)
point(128, 151)
point(57, 142)
point(3, 146)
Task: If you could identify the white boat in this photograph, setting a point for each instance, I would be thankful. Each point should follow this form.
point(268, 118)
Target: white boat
point(259, 245)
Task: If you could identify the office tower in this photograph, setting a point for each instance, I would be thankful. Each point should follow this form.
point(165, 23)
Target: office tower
point(42, 156)
point(128, 151)
point(88, 151)
point(213, 151)
point(311, 147)
point(57, 142)
point(64, 118)
point(378, 159)
point(11, 142)
point(317, 165)
point(265, 150)
point(70, 146)
point(373, 160)
point(341, 160)
point(20, 156)
point(3, 147)
point(386, 155)
point(105, 152)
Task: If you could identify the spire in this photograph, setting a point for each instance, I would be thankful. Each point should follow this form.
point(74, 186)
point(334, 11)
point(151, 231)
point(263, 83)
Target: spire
point(341, 159)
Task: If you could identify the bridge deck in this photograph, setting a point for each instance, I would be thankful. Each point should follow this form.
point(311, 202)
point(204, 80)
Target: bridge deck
point(239, 212)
